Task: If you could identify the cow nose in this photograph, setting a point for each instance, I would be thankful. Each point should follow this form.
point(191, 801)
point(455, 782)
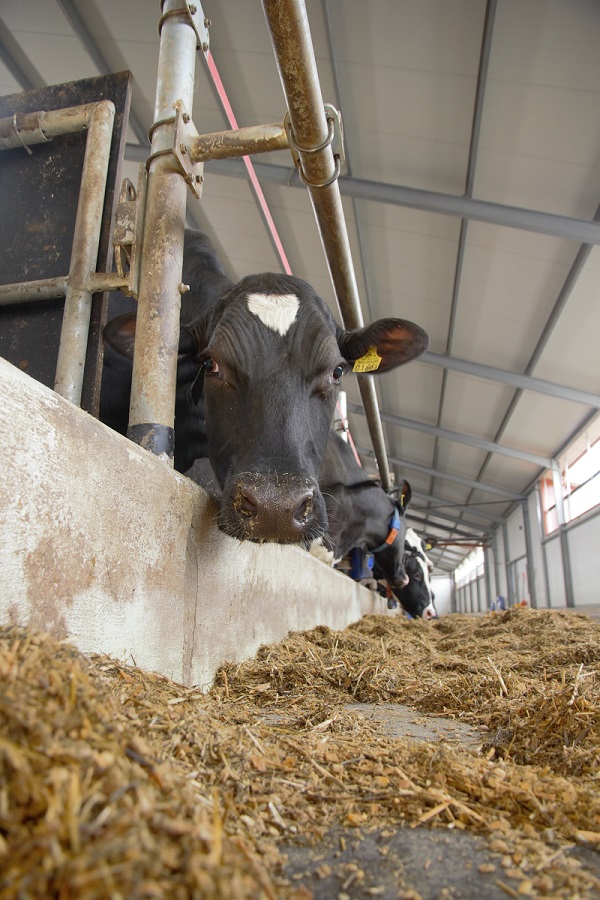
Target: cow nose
point(270, 508)
point(253, 504)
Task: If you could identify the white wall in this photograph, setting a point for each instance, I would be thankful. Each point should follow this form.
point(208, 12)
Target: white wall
point(545, 562)
point(442, 588)
point(583, 540)
point(516, 534)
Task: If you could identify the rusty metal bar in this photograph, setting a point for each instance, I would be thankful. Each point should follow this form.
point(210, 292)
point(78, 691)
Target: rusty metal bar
point(24, 129)
point(55, 288)
point(242, 142)
point(287, 21)
point(84, 254)
point(151, 412)
point(29, 291)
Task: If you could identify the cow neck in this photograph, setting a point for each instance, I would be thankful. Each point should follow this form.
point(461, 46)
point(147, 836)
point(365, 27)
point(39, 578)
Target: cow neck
point(394, 528)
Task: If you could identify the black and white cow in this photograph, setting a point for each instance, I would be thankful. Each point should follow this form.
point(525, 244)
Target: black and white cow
point(260, 363)
point(361, 514)
point(417, 597)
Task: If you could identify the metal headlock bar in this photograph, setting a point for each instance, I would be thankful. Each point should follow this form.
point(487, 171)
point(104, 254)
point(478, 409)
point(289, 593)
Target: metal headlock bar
point(35, 128)
point(151, 217)
point(287, 21)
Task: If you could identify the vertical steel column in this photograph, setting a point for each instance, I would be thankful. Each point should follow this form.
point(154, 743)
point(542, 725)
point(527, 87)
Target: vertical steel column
point(487, 574)
point(542, 535)
point(564, 538)
point(507, 568)
point(84, 254)
point(496, 564)
point(287, 21)
point(151, 412)
point(528, 550)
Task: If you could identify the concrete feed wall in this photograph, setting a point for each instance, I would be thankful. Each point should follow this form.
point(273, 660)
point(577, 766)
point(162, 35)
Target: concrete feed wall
point(106, 545)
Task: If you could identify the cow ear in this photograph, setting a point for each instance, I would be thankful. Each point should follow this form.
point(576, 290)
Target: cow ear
point(404, 495)
point(188, 345)
point(119, 334)
point(383, 345)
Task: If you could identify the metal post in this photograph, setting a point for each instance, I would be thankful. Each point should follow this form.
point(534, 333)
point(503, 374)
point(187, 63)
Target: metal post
point(84, 254)
point(487, 573)
point(564, 539)
point(528, 550)
point(151, 412)
point(31, 291)
point(542, 534)
point(507, 569)
point(287, 21)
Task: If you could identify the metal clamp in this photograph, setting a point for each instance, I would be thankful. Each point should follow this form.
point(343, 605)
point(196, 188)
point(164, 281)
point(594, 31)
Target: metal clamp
point(194, 14)
point(185, 130)
point(128, 229)
point(335, 139)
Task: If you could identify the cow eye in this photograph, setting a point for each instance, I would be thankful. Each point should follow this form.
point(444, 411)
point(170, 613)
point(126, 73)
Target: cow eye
point(337, 374)
point(209, 366)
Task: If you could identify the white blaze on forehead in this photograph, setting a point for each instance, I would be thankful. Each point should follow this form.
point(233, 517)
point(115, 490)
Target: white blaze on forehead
point(276, 311)
point(413, 540)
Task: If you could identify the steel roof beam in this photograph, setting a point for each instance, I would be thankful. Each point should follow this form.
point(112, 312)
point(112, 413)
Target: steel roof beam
point(450, 504)
point(436, 431)
point(426, 525)
point(436, 473)
point(436, 514)
point(523, 382)
point(26, 76)
point(568, 227)
point(91, 47)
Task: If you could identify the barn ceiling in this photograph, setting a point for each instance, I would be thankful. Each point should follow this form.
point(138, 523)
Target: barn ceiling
point(471, 192)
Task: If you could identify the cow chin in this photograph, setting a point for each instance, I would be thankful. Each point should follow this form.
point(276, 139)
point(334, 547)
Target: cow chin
point(281, 509)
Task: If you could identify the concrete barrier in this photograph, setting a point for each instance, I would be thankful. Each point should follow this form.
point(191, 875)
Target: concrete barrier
point(106, 545)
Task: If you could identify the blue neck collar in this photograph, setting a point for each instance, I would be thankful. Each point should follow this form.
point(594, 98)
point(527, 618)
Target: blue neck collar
point(394, 528)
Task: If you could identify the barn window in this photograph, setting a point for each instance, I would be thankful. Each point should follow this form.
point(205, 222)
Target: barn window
point(579, 480)
point(470, 569)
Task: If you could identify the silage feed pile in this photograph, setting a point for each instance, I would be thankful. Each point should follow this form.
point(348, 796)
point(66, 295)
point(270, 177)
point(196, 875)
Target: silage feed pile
point(115, 782)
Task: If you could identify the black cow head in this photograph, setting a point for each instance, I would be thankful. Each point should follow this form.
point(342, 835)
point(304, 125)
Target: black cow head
point(389, 556)
point(258, 376)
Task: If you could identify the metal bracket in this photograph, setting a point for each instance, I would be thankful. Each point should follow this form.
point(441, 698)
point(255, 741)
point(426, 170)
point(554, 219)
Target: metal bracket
point(200, 24)
point(128, 229)
point(335, 138)
point(184, 131)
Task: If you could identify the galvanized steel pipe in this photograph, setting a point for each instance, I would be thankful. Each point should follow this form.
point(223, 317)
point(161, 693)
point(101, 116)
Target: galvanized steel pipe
point(151, 413)
point(84, 254)
point(287, 21)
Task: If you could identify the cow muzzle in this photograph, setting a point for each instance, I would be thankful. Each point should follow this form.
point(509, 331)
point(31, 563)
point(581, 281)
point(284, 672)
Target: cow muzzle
point(283, 509)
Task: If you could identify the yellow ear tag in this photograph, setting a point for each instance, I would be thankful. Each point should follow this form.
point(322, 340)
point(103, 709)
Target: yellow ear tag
point(369, 362)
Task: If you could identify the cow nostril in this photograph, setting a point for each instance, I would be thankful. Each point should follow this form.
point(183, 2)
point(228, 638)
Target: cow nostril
point(247, 505)
point(304, 509)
